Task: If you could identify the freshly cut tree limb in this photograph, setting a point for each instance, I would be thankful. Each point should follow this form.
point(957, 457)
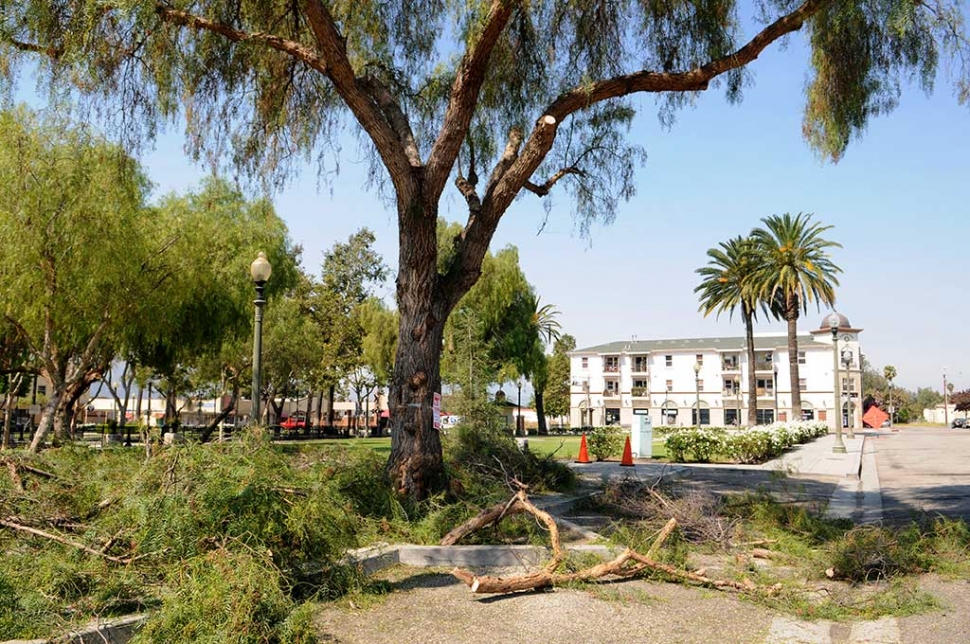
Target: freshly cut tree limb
point(659, 541)
point(15, 476)
point(627, 564)
point(59, 539)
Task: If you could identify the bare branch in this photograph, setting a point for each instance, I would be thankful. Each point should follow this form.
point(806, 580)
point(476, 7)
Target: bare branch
point(49, 50)
point(464, 97)
point(543, 189)
point(363, 105)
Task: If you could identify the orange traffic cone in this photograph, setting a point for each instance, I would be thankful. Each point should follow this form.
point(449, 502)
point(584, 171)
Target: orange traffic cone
point(583, 454)
point(627, 460)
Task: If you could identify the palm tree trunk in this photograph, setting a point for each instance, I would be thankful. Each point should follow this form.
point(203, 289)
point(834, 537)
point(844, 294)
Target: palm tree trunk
point(752, 382)
point(542, 430)
point(791, 316)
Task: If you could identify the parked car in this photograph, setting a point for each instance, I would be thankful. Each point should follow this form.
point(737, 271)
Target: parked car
point(296, 421)
point(959, 423)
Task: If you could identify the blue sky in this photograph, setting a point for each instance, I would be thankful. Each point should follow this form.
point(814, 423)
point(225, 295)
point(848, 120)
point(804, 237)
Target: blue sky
point(898, 202)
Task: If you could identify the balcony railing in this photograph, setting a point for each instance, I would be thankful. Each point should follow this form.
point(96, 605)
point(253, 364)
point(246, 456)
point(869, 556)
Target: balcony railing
point(640, 392)
point(764, 391)
point(730, 365)
point(611, 393)
point(763, 365)
point(611, 368)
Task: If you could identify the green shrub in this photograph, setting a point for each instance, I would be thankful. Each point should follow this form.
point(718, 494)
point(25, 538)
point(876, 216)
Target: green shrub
point(605, 442)
point(701, 444)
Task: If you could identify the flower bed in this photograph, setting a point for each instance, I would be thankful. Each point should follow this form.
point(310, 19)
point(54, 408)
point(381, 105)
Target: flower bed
point(749, 445)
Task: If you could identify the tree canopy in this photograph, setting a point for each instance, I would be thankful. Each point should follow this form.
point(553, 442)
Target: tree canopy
point(498, 97)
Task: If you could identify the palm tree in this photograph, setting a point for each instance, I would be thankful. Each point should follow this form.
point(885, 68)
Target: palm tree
point(549, 331)
point(728, 285)
point(795, 270)
point(889, 372)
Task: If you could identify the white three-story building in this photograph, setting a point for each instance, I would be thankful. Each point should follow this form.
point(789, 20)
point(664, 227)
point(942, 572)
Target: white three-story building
point(668, 378)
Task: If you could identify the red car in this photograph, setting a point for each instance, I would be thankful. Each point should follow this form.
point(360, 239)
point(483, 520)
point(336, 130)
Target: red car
point(297, 421)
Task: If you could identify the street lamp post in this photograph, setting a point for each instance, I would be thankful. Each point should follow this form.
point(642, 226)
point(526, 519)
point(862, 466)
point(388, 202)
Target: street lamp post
point(518, 411)
point(260, 271)
point(697, 390)
point(839, 447)
point(737, 389)
point(849, 414)
point(946, 402)
point(774, 385)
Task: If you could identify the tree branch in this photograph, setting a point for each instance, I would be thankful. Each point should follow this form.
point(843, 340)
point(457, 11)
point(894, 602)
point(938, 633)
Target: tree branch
point(395, 116)
point(464, 97)
point(51, 51)
point(694, 80)
point(59, 539)
point(364, 106)
point(543, 189)
point(289, 47)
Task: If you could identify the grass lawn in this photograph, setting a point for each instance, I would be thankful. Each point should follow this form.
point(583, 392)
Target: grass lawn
point(565, 447)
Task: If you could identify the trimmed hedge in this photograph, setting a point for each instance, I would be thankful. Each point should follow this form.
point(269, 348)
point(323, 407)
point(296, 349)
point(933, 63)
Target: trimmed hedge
point(749, 445)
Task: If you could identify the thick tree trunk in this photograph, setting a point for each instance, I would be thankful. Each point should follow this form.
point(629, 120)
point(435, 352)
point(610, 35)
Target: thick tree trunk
point(541, 414)
point(752, 380)
point(415, 466)
point(796, 394)
point(331, 392)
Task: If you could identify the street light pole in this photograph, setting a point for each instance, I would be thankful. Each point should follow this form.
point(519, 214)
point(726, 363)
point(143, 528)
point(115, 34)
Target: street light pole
point(518, 411)
point(697, 390)
point(850, 415)
point(839, 447)
point(946, 402)
point(260, 271)
point(774, 385)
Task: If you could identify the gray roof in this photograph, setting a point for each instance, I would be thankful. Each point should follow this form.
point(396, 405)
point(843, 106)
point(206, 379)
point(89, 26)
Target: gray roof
point(761, 343)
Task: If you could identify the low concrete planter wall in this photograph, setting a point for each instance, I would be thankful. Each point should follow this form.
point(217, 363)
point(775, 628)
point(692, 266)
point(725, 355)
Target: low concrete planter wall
point(113, 631)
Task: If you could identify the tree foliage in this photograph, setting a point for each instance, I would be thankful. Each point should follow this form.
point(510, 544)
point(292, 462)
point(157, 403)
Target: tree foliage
point(795, 270)
point(497, 97)
point(557, 388)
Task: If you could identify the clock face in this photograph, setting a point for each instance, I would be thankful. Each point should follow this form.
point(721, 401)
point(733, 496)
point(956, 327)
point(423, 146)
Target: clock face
point(846, 338)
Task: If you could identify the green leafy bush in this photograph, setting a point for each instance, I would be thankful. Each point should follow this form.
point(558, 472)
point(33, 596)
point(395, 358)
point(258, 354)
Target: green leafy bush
point(605, 442)
point(701, 444)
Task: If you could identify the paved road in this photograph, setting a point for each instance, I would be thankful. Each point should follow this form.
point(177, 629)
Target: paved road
point(923, 470)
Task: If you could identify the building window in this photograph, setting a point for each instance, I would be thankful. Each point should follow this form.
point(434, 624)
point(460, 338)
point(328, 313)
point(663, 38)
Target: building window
point(670, 385)
point(766, 416)
point(612, 364)
point(801, 357)
point(669, 361)
point(699, 358)
point(732, 387)
point(705, 416)
point(731, 417)
point(42, 390)
point(640, 364)
point(612, 387)
point(809, 414)
point(848, 384)
point(641, 387)
point(821, 414)
point(585, 362)
point(765, 386)
point(730, 362)
point(612, 416)
point(802, 384)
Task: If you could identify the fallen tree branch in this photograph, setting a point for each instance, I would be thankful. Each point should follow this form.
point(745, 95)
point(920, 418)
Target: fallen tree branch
point(59, 539)
point(659, 541)
point(15, 476)
point(627, 564)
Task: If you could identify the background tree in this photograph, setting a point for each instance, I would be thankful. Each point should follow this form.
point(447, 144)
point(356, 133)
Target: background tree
point(291, 352)
point(926, 398)
point(530, 96)
point(889, 373)
point(795, 270)
point(350, 272)
point(961, 400)
point(379, 343)
point(556, 392)
point(210, 236)
point(729, 284)
point(73, 214)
